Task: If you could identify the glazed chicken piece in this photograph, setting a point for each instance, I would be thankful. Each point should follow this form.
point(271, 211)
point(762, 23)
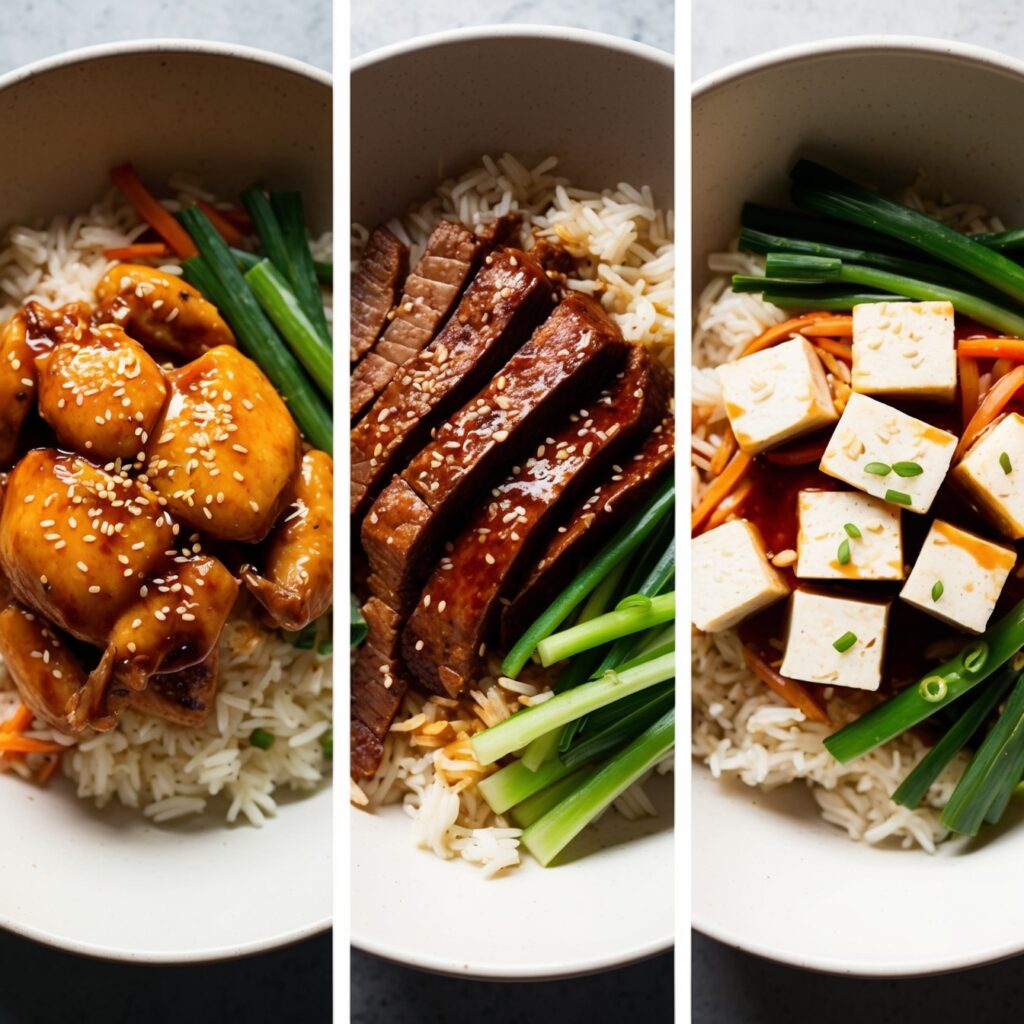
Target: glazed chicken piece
point(30, 332)
point(298, 572)
point(93, 553)
point(185, 697)
point(44, 670)
point(101, 393)
point(161, 311)
point(226, 449)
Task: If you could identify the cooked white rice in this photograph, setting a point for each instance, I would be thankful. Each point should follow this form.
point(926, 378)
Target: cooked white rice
point(164, 770)
point(627, 260)
point(741, 729)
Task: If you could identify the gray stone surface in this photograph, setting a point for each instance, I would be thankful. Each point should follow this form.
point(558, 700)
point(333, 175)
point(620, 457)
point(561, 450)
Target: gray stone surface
point(730, 987)
point(377, 23)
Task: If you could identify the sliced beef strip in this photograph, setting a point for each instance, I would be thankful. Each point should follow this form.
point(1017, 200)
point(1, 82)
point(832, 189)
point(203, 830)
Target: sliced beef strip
point(365, 750)
point(430, 291)
point(506, 300)
point(615, 499)
point(444, 639)
point(375, 288)
point(570, 356)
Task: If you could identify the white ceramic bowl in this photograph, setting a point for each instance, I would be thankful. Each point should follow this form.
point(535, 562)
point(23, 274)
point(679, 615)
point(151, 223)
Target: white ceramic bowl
point(769, 876)
point(422, 111)
point(109, 883)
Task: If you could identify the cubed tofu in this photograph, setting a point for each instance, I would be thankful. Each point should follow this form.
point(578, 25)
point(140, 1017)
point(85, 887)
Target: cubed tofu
point(776, 395)
point(871, 435)
point(904, 349)
point(958, 576)
point(732, 577)
point(817, 622)
point(982, 474)
point(836, 523)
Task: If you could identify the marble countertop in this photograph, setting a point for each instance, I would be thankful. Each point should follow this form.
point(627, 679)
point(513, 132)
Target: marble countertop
point(46, 27)
point(725, 31)
point(377, 23)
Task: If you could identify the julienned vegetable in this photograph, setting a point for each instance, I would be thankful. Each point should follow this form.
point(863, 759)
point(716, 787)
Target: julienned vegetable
point(914, 787)
point(823, 191)
point(994, 770)
point(287, 206)
point(550, 834)
point(642, 614)
point(152, 211)
point(961, 674)
point(627, 540)
point(223, 283)
point(516, 732)
point(790, 267)
point(281, 305)
point(264, 220)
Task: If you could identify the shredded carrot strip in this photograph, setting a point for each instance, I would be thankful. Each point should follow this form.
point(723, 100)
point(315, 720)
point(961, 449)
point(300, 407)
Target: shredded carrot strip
point(992, 405)
point(47, 770)
point(720, 487)
point(792, 692)
point(800, 455)
point(224, 227)
point(731, 505)
point(1000, 368)
point(779, 332)
point(992, 348)
point(152, 212)
point(970, 386)
point(27, 745)
point(723, 453)
point(831, 364)
point(831, 327)
point(840, 349)
point(18, 722)
point(138, 251)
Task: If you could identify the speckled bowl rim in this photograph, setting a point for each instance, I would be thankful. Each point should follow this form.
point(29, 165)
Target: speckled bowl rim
point(930, 46)
point(35, 69)
point(438, 40)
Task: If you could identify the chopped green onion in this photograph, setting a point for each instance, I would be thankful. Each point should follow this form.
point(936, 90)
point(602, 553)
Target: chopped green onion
point(262, 739)
point(844, 553)
point(937, 589)
point(620, 547)
point(907, 469)
point(878, 468)
point(916, 785)
point(516, 732)
point(898, 497)
point(975, 655)
point(304, 639)
point(845, 642)
point(905, 710)
point(527, 811)
point(852, 531)
point(995, 767)
point(640, 614)
point(264, 220)
point(1004, 461)
point(549, 835)
point(327, 744)
point(280, 303)
point(515, 782)
point(933, 689)
point(325, 648)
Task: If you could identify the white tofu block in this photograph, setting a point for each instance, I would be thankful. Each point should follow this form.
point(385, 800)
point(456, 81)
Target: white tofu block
point(904, 349)
point(870, 432)
point(877, 554)
point(1000, 495)
point(816, 622)
point(732, 577)
point(971, 571)
point(776, 395)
